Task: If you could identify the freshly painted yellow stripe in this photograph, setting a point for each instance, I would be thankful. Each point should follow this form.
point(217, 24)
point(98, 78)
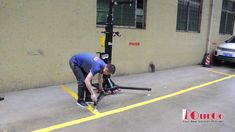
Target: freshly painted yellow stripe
point(69, 91)
point(111, 112)
point(226, 74)
point(91, 109)
point(75, 96)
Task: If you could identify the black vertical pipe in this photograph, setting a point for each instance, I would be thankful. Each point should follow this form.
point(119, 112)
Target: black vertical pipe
point(109, 32)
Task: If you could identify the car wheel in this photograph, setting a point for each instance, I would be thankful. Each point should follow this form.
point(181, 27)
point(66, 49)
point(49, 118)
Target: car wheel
point(216, 61)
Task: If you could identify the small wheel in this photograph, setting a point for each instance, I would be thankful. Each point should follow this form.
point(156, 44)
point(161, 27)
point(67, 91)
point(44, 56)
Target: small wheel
point(109, 92)
point(112, 92)
point(119, 90)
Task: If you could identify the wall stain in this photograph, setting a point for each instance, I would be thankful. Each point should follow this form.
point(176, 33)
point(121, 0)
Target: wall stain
point(35, 53)
point(39, 51)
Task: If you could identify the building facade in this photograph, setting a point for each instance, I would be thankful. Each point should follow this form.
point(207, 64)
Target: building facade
point(39, 36)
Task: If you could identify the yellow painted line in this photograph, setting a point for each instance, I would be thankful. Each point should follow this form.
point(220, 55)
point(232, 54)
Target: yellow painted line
point(119, 110)
point(226, 74)
point(69, 91)
point(75, 96)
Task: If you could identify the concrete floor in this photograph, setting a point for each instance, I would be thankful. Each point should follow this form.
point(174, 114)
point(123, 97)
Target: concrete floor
point(35, 109)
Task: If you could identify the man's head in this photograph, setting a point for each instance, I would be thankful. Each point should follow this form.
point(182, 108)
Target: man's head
point(109, 69)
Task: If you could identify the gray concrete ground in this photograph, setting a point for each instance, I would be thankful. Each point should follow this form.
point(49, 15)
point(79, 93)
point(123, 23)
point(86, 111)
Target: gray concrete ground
point(34, 109)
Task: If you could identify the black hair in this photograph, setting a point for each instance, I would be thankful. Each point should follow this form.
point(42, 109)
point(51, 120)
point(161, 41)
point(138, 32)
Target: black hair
point(111, 68)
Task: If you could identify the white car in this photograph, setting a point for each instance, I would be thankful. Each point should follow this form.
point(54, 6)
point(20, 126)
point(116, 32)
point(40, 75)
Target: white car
point(225, 52)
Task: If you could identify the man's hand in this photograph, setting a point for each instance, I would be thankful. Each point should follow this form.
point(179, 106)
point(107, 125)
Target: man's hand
point(93, 97)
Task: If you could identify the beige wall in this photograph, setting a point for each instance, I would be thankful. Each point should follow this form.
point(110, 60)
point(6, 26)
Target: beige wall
point(39, 36)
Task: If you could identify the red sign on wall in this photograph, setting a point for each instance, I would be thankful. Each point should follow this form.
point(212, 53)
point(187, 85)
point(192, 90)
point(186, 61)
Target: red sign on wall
point(134, 43)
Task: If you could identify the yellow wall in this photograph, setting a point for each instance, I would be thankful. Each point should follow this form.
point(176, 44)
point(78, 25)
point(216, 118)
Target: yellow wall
point(39, 36)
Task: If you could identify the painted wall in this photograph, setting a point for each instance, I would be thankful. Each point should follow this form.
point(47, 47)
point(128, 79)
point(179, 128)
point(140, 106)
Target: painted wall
point(39, 36)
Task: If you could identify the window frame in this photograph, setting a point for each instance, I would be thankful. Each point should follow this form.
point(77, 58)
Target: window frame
point(227, 12)
point(189, 2)
point(128, 27)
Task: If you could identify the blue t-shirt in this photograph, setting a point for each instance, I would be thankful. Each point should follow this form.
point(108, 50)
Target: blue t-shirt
point(88, 62)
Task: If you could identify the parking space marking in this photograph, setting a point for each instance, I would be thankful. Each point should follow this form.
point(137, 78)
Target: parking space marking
point(75, 96)
point(69, 91)
point(122, 109)
point(226, 74)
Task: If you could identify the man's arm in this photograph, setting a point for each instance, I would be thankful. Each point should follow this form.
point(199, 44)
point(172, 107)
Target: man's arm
point(89, 86)
point(100, 80)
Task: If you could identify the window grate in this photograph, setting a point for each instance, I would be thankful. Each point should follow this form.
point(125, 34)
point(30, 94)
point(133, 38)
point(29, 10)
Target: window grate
point(227, 17)
point(188, 15)
point(124, 15)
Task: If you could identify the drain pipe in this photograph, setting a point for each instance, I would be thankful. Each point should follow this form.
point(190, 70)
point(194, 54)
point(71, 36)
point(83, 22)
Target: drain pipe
point(210, 28)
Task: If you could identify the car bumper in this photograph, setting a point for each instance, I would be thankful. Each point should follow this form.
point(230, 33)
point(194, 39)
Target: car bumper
point(224, 56)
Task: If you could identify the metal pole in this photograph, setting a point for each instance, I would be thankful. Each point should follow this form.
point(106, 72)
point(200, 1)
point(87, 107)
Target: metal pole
point(109, 32)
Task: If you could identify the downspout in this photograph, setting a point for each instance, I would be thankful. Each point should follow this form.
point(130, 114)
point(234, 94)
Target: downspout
point(210, 28)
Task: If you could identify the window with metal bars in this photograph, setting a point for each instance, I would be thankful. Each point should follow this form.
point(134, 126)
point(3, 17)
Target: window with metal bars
point(189, 15)
point(124, 15)
point(227, 17)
